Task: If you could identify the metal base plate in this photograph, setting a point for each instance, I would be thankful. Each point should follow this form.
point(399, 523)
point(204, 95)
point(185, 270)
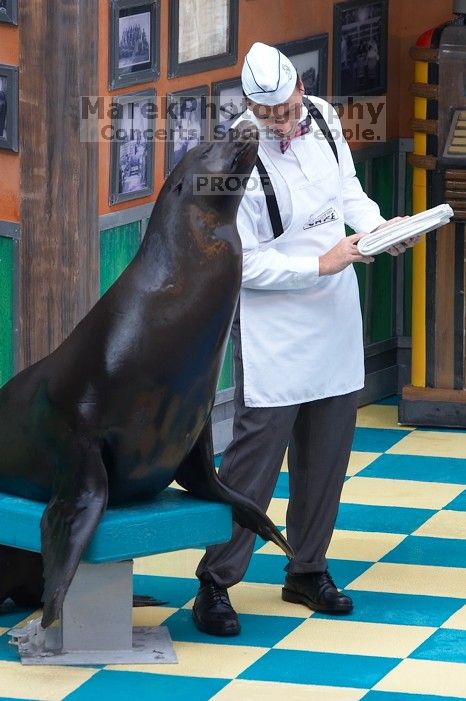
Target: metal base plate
point(39, 647)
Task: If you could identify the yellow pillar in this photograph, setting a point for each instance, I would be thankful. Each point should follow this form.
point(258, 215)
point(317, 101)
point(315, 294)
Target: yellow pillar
point(418, 360)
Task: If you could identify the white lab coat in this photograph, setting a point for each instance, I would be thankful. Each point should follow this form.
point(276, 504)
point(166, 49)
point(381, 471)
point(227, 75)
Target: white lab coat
point(301, 334)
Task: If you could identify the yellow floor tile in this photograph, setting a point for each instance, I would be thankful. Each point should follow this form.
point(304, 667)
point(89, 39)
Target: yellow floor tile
point(42, 683)
point(181, 563)
point(426, 677)
point(355, 638)
point(359, 460)
point(284, 467)
point(389, 492)
point(457, 621)
point(264, 599)
point(277, 511)
point(364, 546)
point(411, 579)
point(379, 416)
point(277, 691)
point(202, 660)
point(433, 443)
point(152, 615)
point(444, 524)
point(270, 548)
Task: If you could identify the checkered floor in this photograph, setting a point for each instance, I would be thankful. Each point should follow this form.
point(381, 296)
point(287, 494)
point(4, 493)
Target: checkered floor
point(400, 550)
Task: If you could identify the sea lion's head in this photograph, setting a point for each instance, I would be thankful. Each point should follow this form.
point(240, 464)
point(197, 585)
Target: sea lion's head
point(214, 174)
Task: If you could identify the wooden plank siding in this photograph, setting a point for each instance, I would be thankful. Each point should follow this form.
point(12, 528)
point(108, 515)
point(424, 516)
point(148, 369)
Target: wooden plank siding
point(59, 249)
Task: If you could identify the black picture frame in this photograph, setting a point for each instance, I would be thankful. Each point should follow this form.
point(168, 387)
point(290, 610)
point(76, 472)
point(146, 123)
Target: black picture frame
point(360, 48)
point(9, 11)
point(9, 107)
point(177, 67)
point(186, 123)
point(228, 102)
point(134, 23)
point(132, 146)
point(310, 58)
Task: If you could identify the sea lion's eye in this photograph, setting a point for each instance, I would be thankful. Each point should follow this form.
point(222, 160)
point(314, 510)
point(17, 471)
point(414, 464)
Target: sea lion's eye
point(205, 154)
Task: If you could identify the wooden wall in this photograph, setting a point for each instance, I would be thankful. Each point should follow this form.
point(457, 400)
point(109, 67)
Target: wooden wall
point(56, 271)
point(9, 161)
point(273, 22)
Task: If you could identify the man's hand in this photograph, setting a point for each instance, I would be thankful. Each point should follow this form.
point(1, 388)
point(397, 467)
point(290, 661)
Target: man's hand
point(344, 253)
point(401, 247)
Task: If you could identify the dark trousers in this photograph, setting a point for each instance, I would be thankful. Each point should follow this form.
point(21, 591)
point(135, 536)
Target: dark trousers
point(319, 435)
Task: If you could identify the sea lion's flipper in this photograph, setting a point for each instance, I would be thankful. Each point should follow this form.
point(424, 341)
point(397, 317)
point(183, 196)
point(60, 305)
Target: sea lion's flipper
point(197, 474)
point(70, 519)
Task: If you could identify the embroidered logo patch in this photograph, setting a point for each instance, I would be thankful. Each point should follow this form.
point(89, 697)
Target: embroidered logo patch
point(329, 215)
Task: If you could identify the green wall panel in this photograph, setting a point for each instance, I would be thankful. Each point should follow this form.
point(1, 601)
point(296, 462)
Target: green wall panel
point(382, 322)
point(6, 308)
point(360, 268)
point(226, 376)
point(118, 247)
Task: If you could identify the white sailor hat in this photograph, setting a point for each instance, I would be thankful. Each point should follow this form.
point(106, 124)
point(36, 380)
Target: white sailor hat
point(268, 76)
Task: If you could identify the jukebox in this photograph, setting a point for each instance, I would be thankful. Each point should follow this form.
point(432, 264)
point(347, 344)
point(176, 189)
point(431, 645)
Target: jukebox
point(437, 394)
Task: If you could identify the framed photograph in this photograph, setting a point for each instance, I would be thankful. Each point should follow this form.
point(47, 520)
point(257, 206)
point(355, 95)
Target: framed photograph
point(132, 146)
point(134, 42)
point(9, 107)
point(203, 35)
point(360, 48)
point(9, 11)
point(186, 123)
point(309, 57)
point(228, 103)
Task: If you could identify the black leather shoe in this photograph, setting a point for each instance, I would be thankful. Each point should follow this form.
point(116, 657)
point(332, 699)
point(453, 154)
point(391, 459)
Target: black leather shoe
point(213, 612)
point(316, 590)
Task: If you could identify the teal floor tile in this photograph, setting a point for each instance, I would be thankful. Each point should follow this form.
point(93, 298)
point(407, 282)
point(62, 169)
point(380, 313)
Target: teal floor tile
point(394, 696)
point(123, 686)
point(394, 400)
point(421, 550)
point(269, 569)
point(282, 489)
point(458, 504)
point(8, 653)
point(381, 519)
point(325, 669)
point(445, 645)
point(417, 467)
point(400, 609)
point(256, 631)
point(377, 440)
point(10, 615)
point(175, 591)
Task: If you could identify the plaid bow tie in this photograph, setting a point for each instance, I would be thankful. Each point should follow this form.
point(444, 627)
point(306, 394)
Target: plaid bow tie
point(303, 128)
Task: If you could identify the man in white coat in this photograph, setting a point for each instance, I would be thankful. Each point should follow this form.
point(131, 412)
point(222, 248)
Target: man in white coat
point(298, 346)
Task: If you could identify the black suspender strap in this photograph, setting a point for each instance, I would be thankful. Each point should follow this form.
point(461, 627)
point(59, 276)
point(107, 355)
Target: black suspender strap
point(270, 199)
point(322, 124)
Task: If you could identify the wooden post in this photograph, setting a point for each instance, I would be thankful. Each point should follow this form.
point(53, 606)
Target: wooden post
point(59, 174)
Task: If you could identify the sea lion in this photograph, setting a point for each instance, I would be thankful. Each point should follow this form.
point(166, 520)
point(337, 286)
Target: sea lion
point(122, 407)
